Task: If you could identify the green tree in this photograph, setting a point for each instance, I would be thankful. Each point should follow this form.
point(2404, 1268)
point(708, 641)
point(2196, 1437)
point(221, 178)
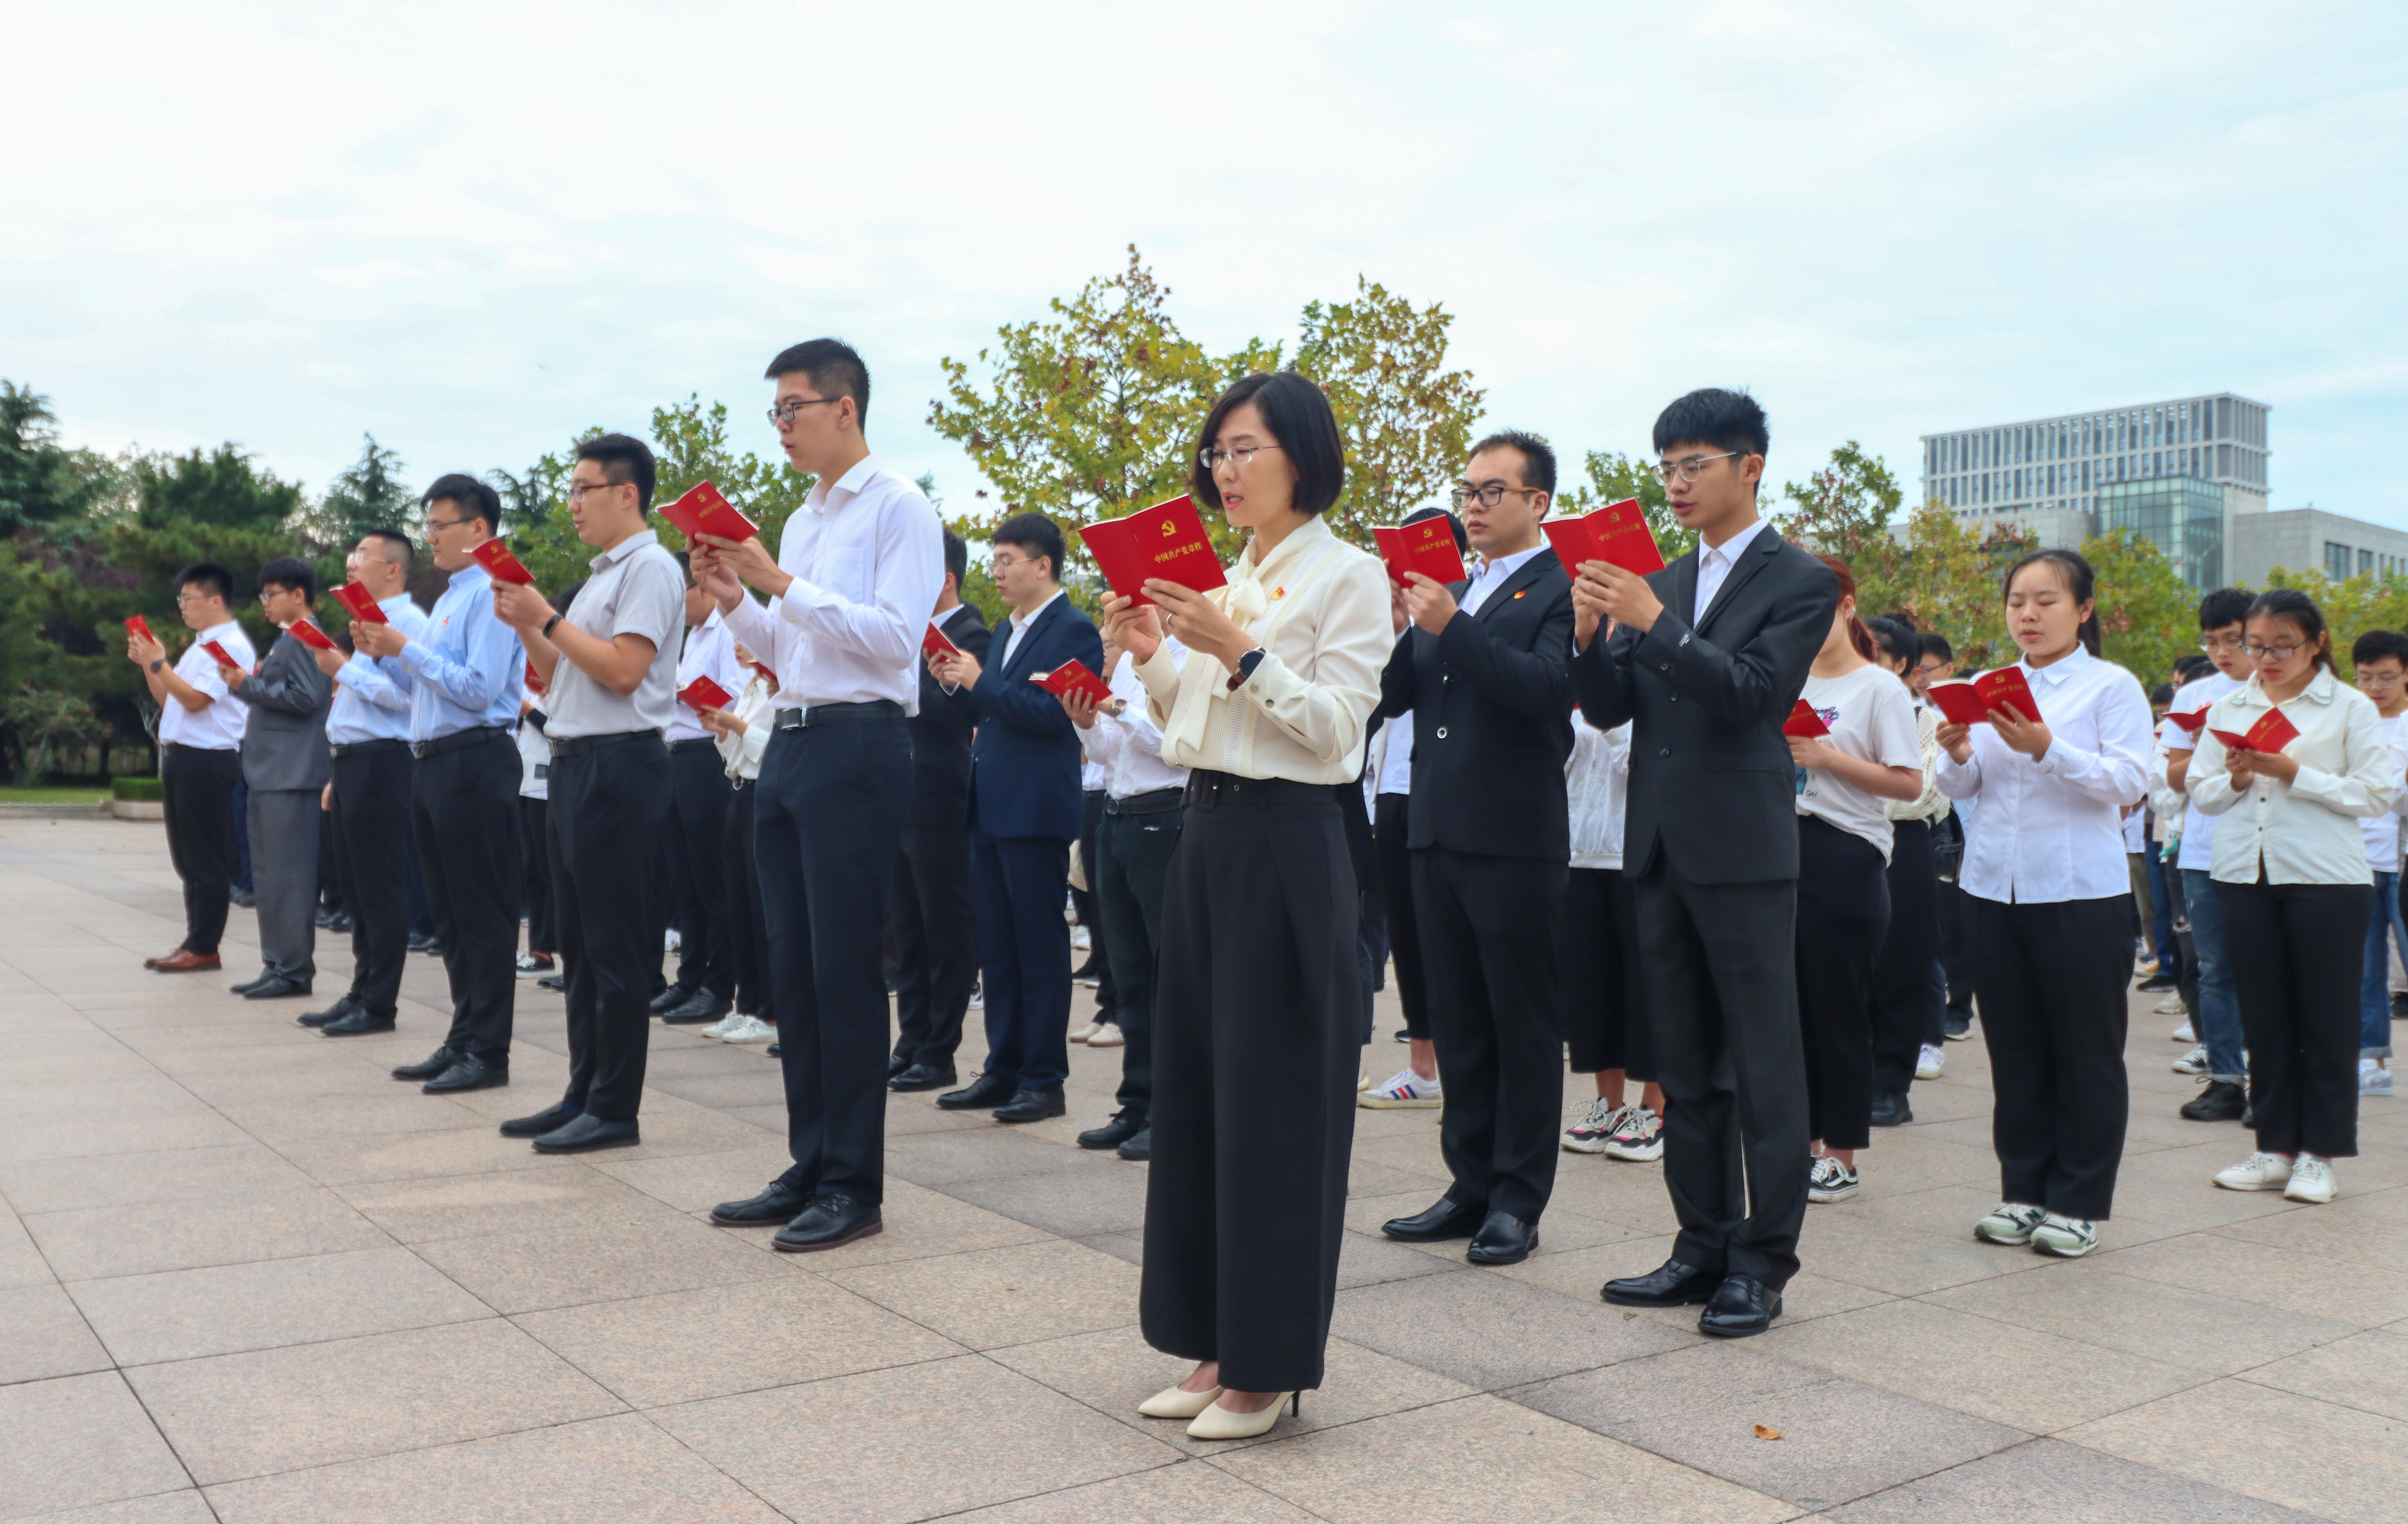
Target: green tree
point(1945, 578)
point(2351, 607)
point(1844, 509)
point(2146, 612)
point(1406, 419)
point(1615, 478)
point(369, 493)
point(218, 506)
point(41, 481)
point(689, 444)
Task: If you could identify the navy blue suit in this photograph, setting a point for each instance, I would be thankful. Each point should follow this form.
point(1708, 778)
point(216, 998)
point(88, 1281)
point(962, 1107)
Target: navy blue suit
point(1026, 809)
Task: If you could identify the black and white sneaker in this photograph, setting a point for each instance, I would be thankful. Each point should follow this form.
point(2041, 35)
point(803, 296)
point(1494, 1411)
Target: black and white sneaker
point(1831, 1181)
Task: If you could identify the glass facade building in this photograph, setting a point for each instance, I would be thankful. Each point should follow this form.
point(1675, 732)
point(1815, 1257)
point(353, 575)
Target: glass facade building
point(2181, 516)
point(2058, 465)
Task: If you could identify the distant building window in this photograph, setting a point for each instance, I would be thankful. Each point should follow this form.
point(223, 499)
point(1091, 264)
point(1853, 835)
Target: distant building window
point(2337, 562)
point(2365, 562)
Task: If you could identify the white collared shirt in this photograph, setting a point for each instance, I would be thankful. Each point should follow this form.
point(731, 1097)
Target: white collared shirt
point(709, 652)
point(2303, 832)
point(1127, 746)
point(2382, 832)
point(1492, 575)
point(1019, 623)
point(741, 753)
point(1396, 770)
point(1715, 563)
point(2053, 830)
point(867, 557)
point(2198, 830)
point(1596, 782)
point(216, 726)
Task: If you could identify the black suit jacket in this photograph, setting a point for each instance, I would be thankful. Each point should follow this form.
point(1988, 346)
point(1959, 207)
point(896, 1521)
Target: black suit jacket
point(1710, 772)
point(941, 734)
point(1492, 705)
point(1025, 767)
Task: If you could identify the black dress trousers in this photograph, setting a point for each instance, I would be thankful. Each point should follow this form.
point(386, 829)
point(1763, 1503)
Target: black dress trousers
point(1255, 1047)
point(1388, 828)
point(534, 883)
point(827, 821)
point(1132, 868)
point(697, 826)
point(372, 816)
point(607, 790)
point(1842, 913)
point(2290, 950)
point(464, 814)
point(196, 787)
point(1024, 957)
point(748, 940)
point(1489, 950)
point(1903, 1005)
point(933, 922)
point(1600, 1003)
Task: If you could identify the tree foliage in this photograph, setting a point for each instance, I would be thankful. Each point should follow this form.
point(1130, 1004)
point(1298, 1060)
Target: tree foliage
point(2147, 611)
point(1615, 478)
point(41, 481)
point(1406, 419)
point(2351, 607)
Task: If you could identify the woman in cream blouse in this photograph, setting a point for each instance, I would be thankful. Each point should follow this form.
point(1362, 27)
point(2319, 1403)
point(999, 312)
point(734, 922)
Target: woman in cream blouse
point(1257, 1004)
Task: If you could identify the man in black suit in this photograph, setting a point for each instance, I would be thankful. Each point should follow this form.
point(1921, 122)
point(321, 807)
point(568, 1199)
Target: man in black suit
point(1705, 658)
point(1483, 670)
point(1026, 806)
point(932, 916)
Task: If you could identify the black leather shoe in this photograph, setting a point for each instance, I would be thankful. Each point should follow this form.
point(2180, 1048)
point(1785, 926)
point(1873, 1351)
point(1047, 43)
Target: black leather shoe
point(1140, 1148)
point(1891, 1110)
point(1670, 1284)
point(1503, 1240)
point(2157, 984)
point(282, 987)
point(670, 999)
point(586, 1133)
point(470, 1074)
point(1449, 1218)
point(1031, 1107)
point(356, 1022)
point(2221, 1102)
point(771, 1051)
point(898, 1063)
point(335, 1012)
point(1126, 1124)
point(1741, 1305)
point(700, 1006)
point(247, 986)
point(425, 944)
point(826, 1223)
point(542, 1121)
point(922, 1077)
point(985, 1090)
point(428, 1067)
point(781, 1202)
point(557, 984)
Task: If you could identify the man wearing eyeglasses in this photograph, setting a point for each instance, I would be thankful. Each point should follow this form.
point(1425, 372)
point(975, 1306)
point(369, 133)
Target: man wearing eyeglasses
point(1481, 670)
point(464, 680)
point(200, 758)
point(1705, 659)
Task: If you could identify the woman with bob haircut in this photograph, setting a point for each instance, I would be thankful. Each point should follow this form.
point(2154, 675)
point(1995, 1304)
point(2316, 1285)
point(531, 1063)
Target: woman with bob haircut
point(1258, 1001)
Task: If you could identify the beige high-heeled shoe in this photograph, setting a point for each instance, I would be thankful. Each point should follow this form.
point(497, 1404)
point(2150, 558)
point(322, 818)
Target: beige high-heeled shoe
point(1178, 1403)
point(1218, 1422)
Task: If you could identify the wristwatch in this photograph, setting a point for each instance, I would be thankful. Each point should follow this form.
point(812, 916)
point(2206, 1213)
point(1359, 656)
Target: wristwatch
point(1246, 665)
point(550, 622)
point(160, 662)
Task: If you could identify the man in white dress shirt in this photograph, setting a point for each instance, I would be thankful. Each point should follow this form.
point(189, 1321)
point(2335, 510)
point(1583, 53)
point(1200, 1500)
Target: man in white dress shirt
point(200, 758)
point(858, 568)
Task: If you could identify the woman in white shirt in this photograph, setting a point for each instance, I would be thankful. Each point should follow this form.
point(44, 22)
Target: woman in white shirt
point(1599, 998)
point(1845, 780)
point(2049, 902)
point(2291, 877)
point(742, 733)
point(1258, 1001)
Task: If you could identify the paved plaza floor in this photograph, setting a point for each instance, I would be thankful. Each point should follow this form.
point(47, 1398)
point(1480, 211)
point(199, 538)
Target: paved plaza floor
point(244, 1275)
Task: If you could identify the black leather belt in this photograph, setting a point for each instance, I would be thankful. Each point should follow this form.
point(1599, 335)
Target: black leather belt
point(365, 749)
point(1210, 790)
point(837, 714)
point(453, 742)
point(578, 746)
point(1152, 802)
point(694, 743)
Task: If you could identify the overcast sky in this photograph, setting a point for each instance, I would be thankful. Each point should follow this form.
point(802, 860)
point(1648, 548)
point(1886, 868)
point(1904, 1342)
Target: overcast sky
point(474, 231)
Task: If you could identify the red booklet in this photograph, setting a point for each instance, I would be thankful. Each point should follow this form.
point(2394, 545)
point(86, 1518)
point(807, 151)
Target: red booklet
point(140, 626)
point(702, 693)
point(933, 644)
point(218, 654)
point(1616, 533)
point(1804, 723)
point(2190, 721)
point(307, 633)
point(534, 679)
point(362, 603)
point(703, 510)
point(1165, 542)
point(1425, 546)
point(2270, 734)
point(766, 676)
point(2005, 686)
point(1959, 701)
point(1073, 677)
point(494, 556)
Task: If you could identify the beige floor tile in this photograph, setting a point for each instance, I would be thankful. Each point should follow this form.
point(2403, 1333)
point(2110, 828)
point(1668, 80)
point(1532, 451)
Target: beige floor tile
point(623, 1470)
point(1903, 1262)
point(988, 1298)
point(1582, 1274)
point(368, 1159)
point(2094, 1305)
point(20, 1262)
point(185, 1507)
point(1191, 1492)
point(77, 1441)
point(61, 1185)
point(910, 1443)
point(42, 1334)
point(2334, 1461)
point(2348, 1231)
point(681, 1346)
point(2307, 1284)
point(2368, 1370)
point(145, 1237)
point(634, 1248)
point(428, 1209)
point(696, 1182)
point(280, 1122)
point(224, 1309)
point(919, 1224)
point(1501, 1461)
point(1449, 1324)
point(2049, 1479)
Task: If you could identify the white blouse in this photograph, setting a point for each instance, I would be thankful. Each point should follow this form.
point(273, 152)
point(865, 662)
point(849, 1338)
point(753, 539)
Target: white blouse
point(1596, 778)
point(2303, 832)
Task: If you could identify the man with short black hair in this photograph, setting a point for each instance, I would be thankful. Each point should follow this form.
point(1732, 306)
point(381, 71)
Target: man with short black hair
point(464, 671)
point(2218, 1057)
point(693, 831)
point(200, 758)
point(285, 766)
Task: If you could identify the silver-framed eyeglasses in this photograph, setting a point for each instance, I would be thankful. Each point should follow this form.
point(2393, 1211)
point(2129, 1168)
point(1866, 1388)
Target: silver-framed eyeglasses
point(577, 491)
point(1488, 496)
point(2213, 643)
point(1690, 467)
point(1209, 459)
point(784, 412)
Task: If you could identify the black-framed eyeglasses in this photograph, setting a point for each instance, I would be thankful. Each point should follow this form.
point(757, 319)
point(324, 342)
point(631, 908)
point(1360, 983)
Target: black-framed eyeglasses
point(1691, 467)
point(437, 526)
point(784, 412)
point(578, 490)
point(1210, 459)
point(2280, 653)
point(1488, 496)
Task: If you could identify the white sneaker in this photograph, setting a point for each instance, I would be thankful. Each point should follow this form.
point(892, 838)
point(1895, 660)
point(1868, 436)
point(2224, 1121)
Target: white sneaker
point(1106, 1034)
point(2184, 1034)
point(1362, 1081)
point(2311, 1180)
point(1830, 1180)
point(750, 1029)
point(532, 967)
point(1404, 1090)
point(1931, 1061)
point(2373, 1078)
point(2192, 1062)
point(2258, 1172)
point(1082, 940)
point(1590, 1134)
point(2008, 1222)
point(673, 941)
point(719, 1027)
point(2068, 1238)
point(1080, 1034)
point(1640, 1139)
point(977, 998)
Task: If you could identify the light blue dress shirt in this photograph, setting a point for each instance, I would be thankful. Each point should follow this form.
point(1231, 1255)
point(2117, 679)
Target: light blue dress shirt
point(466, 671)
point(372, 693)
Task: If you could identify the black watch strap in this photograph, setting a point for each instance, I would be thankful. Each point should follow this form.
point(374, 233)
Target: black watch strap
point(550, 622)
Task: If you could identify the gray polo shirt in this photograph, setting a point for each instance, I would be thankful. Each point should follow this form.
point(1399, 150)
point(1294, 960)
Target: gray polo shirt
point(636, 590)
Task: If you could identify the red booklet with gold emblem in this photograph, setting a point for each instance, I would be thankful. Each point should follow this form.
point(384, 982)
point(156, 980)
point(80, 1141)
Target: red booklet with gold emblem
point(2270, 734)
point(704, 510)
point(702, 693)
point(1073, 677)
point(1804, 723)
point(494, 556)
point(218, 654)
point(933, 644)
point(1165, 542)
point(2004, 687)
point(362, 603)
point(1425, 546)
point(1616, 534)
point(307, 633)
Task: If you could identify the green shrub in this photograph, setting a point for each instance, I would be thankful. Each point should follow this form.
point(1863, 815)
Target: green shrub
point(147, 789)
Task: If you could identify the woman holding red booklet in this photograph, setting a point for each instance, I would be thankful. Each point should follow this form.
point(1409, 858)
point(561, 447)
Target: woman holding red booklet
point(2049, 907)
point(2292, 879)
point(1258, 1001)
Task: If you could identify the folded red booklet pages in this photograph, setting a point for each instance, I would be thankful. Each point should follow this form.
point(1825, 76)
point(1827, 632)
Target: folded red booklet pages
point(1959, 701)
point(534, 679)
point(307, 633)
point(934, 644)
point(1165, 542)
point(1804, 723)
point(1425, 546)
point(702, 693)
point(1073, 677)
point(362, 603)
point(703, 510)
point(2270, 734)
point(766, 676)
point(218, 654)
point(142, 626)
point(1616, 533)
point(2191, 721)
point(496, 559)
point(1969, 702)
